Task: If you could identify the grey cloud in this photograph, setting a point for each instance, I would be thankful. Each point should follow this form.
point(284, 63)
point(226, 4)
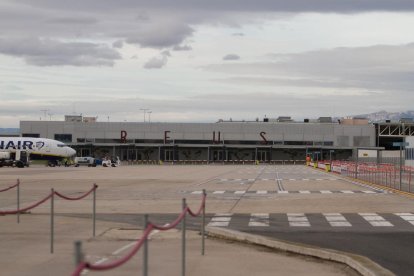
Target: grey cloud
point(238, 34)
point(338, 6)
point(380, 67)
point(156, 62)
point(118, 44)
point(159, 35)
point(182, 48)
point(73, 20)
point(231, 57)
point(47, 52)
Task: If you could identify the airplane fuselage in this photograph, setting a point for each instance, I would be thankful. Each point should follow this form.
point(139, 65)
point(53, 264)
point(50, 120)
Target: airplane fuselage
point(38, 148)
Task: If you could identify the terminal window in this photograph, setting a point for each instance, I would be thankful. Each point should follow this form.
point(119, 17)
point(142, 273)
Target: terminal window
point(65, 138)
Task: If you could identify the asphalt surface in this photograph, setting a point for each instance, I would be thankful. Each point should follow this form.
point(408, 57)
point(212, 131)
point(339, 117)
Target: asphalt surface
point(291, 203)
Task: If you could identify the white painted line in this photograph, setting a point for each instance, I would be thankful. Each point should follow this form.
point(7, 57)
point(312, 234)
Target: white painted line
point(197, 192)
point(101, 261)
point(239, 192)
point(292, 179)
point(304, 192)
point(347, 192)
point(299, 224)
point(376, 220)
point(116, 252)
point(369, 192)
point(218, 224)
point(261, 192)
point(326, 192)
point(259, 220)
point(305, 179)
point(319, 179)
point(282, 192)
point(220, 220)
point(409, 217)
point(340, 224)
point(219, 192)
point(337, 220)
point(298, 220)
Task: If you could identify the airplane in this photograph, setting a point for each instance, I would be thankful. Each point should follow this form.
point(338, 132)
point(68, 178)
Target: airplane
point(37, 148)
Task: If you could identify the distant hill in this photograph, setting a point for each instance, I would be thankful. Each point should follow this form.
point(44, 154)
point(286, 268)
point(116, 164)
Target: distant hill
point(383, 115)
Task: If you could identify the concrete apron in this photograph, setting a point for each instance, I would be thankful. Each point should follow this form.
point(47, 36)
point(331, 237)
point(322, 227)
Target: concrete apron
point(361, 264)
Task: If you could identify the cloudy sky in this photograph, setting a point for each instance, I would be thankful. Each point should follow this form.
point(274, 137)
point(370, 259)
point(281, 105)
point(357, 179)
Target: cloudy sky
point(200, 61)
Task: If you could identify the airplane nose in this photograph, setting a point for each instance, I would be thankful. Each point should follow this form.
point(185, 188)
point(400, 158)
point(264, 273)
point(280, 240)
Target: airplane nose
point(71, 152)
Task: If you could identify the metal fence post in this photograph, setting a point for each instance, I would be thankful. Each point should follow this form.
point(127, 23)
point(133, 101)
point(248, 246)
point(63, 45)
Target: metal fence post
point(52, 220)
point(18, 200)
point(183, 225)
point(400, 166)
point(94, 211)
point(78, 253)
point(145, 260)
point(203, 224)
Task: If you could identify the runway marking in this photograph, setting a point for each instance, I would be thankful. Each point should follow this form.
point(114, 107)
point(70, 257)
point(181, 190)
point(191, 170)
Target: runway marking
point(219, 192)
point(239, 192)
point(197, 192)
point(376, 220)
point(409, 217)
point(282, 192)
point(298, 220)
point(304, 192)
point(259, 220)
point(261, 192)
point(347, 192)
point(220, 220)
point(369, 192)
point(116, 252)
point(326, 192)
point(337, 220)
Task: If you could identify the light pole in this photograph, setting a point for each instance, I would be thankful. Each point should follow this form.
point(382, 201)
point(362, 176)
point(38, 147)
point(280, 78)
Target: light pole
point(145, 111)
point(149, 116)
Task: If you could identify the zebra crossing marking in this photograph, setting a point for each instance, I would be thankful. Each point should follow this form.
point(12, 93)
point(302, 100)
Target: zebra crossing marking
point(304, 192)
point(347, 192)
point(219, 192)
point(376, 220)
point(220, 220)
point(337, 220)
point(409, 217)
point(259, 220)
point(298, 220)
point(260, 192)
point(326, 192)
point(239, 192)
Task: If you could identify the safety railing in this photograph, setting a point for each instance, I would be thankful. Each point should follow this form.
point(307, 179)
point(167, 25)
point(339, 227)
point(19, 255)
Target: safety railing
point(383, 174)
point(51, 196)
point(143, 242)
point(17, 186)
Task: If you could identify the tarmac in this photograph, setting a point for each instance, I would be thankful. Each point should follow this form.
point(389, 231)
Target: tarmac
point(156, 189)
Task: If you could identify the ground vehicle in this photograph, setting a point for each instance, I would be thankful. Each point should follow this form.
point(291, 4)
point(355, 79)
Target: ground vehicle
point(18, 158)
point(85, 161)
point(111, 163)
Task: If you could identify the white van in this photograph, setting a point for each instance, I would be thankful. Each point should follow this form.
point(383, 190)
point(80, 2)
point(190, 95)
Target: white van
point(85, 161)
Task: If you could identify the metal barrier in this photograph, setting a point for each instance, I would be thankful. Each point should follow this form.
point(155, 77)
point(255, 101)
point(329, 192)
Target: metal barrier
point(51, 196)
point(383, 174)
point(143, 241)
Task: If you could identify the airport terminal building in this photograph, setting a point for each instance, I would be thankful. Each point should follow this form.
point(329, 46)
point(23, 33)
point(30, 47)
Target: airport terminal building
point(269, 141)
